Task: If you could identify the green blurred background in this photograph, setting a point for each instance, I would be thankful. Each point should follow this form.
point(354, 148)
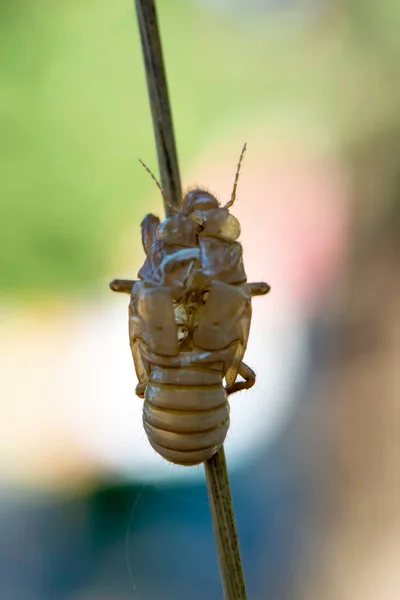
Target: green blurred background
point(75, 117)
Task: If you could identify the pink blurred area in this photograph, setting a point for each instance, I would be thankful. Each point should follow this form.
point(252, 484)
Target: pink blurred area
point(294, 204)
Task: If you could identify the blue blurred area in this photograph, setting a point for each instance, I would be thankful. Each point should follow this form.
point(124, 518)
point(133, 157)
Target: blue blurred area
point(80, 548)
point(54, 549)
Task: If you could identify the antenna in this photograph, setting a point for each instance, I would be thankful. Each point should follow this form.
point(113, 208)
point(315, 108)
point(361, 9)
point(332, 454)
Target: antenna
point(173, 209)
point(233, 197)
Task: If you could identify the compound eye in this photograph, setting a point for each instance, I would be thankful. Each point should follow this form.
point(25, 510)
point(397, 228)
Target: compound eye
point(178, 230)
point(230, 229)
point(204, 296)
point(221, 224)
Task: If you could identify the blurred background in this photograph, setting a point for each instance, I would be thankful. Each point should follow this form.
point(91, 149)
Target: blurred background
point(88, 510)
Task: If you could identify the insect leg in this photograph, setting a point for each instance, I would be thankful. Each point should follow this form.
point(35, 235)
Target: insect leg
point(140, 389)
point(178, 259)
point(122, 285)
point(259, 288)
point(149, 227)
point(190, 275)
point(249, 380)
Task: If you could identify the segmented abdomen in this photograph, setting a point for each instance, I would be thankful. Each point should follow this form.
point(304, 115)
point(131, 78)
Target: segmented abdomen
point(185, 413)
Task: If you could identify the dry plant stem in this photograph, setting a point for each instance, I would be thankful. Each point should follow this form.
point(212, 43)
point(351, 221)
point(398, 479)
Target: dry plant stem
point(225, 527)
point(216, 470)
point(159, 102)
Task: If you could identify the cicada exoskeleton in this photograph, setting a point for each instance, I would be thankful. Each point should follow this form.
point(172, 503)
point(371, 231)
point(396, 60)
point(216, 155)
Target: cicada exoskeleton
point(189, 322)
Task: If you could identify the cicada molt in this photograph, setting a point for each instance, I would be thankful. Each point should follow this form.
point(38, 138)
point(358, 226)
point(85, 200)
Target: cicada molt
point(189, 322)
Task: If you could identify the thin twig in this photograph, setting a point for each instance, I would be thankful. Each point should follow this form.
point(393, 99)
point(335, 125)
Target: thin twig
point(216, 470)
point(159, 102)
point(223, 515)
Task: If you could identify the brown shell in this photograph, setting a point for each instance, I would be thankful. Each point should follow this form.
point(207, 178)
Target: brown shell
point(189, 321)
